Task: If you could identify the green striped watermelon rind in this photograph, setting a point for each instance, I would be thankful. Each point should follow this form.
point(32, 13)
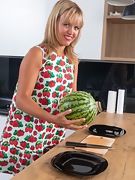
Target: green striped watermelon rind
point(86, 103)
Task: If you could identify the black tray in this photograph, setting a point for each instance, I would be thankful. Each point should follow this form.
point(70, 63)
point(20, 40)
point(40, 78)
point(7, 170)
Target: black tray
point(106, 130)
point(79, 163)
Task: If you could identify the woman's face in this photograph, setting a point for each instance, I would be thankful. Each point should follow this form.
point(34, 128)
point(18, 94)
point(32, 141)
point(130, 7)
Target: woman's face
point(67, 30)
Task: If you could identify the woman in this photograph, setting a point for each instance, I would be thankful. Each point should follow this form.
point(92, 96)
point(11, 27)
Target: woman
point(47, 73)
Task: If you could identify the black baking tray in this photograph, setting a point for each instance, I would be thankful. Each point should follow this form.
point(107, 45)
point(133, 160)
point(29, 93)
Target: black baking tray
point(79, 163)
point(106, 130)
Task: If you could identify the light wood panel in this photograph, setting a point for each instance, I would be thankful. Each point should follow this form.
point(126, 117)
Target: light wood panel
point(118, 41)
point(120, 159)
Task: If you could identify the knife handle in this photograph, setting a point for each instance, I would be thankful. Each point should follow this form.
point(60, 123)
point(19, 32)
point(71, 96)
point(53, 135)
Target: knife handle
point(76, 144)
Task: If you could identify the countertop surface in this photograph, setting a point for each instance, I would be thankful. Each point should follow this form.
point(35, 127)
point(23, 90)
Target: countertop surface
point(121, 159)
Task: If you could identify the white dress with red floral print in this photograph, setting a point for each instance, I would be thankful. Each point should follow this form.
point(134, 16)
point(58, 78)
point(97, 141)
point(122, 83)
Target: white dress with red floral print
point(25, 138)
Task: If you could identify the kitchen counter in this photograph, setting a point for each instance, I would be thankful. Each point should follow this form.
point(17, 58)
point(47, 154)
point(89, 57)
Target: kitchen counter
point(121, 159)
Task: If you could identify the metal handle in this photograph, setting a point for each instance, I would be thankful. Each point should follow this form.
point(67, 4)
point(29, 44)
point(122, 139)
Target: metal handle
point(76, 144)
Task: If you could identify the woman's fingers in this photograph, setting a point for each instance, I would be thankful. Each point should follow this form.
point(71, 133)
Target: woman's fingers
point(77, 121)
point(71, 124)
point(66, 112)
point(73, 121)
point(75, 127)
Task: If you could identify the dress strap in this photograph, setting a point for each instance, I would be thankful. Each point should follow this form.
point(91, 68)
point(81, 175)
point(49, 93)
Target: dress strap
point(43, 49)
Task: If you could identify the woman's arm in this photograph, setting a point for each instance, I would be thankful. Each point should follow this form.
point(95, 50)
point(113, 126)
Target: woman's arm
point(28, 74)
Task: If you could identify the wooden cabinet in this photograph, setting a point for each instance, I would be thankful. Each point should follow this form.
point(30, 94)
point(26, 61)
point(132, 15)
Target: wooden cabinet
point(118, 41)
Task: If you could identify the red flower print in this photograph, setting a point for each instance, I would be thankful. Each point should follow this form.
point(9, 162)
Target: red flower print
point(46, 92)
point(70, 85)
point(13, 141)
point(58, 68)
point(48, 65)
point(36, 121)
point(59, 78)
point(3, 155)
point(39, 128)
point(39, 86)
point(62, 63)
point(4, 147)
point(3, 163)
point(53, 57)
point(16, 123)
point(51, 84)
point(34, 133)
point(41, 80)
point(6, 135)
point(65, 93)
point(29, 128)
point(13, 159)
point(55, 140)
point(18, 116)
point(41, 121)
point(9, 128)
point(61, 88)
point(18, 165)
point(32, 147)
point(13, 108)
point(49, 136)
point(55, 94)
point(19, 132)
point(13, 151)
point(64, 71)
point(23, 144)
point(27, 118)
point(60, 133)
point(46, 74)
point(39, 145)
point(39, 94)
point(49, 128)
point(64, 82)
point(55, 103)
point(27, 155)
point(68, 76)
point(35, 157)
point(44, 101)
point(48, 109)
point(55, 112)
point(31, 138)
point(69, 70)
point(23, 162)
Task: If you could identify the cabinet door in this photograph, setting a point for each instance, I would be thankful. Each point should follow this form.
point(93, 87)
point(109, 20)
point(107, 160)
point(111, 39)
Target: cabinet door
point(90, 43)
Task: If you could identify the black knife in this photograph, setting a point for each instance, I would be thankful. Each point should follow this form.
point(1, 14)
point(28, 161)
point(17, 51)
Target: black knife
point(79, 144)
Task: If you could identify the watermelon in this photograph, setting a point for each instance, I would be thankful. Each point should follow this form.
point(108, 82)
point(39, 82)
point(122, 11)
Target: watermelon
point(83, 105)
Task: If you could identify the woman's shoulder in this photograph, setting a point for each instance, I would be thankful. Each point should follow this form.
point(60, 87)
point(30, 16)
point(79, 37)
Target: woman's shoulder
point(42, 47)
point(38, 50)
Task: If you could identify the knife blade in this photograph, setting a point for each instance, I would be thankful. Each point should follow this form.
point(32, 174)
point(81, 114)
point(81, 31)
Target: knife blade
point(79, 144)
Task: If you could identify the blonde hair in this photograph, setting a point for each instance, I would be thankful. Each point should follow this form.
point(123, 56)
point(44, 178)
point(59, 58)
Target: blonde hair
point(50, 39)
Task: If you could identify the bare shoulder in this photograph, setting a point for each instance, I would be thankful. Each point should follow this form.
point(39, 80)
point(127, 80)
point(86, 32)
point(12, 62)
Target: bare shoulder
point(34, 56)
point(35, 51)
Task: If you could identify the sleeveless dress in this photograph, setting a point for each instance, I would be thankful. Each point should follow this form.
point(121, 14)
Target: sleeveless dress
point(26, 138)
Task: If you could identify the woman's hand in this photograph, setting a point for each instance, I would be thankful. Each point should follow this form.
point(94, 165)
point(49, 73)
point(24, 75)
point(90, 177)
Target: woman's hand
point(61, 120)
